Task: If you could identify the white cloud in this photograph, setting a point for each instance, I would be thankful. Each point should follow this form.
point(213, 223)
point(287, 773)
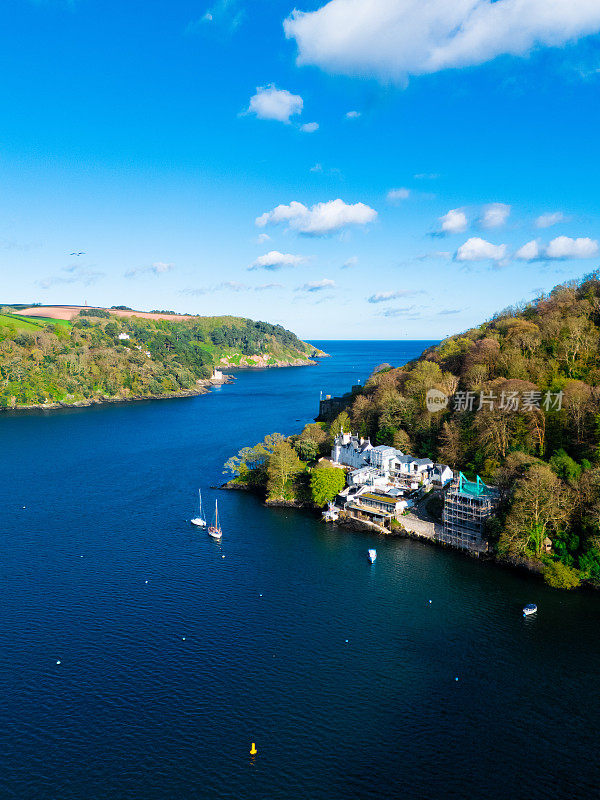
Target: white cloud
point(384, 297)
point(262, 238)
point(231, 286)
point(495, 215)
point(564, 247)
point(444, 254)
point(74, 273)
point(320, 219)
point(352, 114)
point(309, 127)
point(317, 286)
point(426, 176)
point(455, 221)
point(317, 168)
point(398, 194)
point(550, 219)
point(560, 248)
point(266, 286)
point(395, 38)
point(272, 103)
point(351, 262)
point(276, 260)
point(476, 249)
point(408, 311)
point(529, 251)
point(158, 268)
point(234, 286)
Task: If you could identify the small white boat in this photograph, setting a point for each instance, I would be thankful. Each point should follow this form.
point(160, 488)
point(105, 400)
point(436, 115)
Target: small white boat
point(330, 514)
point(199, 521)
point(529, 609)
point(372, 555)
point(215, 529)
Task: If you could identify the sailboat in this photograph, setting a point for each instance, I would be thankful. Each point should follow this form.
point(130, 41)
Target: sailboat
point(215, 529)
point(199, 521)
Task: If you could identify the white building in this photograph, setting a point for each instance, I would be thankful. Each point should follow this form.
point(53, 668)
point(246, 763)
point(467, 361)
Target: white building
point(382, 457)
point(384, 465)
point(351, 451)
point(442, 475)
point(366, 476)
point(417, 470)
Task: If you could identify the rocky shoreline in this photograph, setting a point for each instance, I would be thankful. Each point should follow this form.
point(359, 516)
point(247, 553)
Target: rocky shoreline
point(203, 387)
point(262, 362)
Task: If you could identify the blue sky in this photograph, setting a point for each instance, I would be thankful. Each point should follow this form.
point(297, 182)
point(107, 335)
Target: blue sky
point(454, 169)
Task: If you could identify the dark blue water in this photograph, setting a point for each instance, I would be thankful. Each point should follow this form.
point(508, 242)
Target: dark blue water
point(102, 571)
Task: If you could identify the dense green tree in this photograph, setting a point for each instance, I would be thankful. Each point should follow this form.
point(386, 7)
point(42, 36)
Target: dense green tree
point(340, 423)
point(560, 576)
point(325, 483)
point(538, 508)
point(284, 466)
point(307, 449)
point(565, 467)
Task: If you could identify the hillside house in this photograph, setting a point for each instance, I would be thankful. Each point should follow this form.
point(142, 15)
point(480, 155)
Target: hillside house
point(412, 472)
point(382, 457)
point(441, 476)
point(375, 505)
point(366, 476)
point(350, 450)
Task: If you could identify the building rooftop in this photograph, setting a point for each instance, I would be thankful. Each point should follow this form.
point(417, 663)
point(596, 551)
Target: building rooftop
point(372, 511)
point(380, 498)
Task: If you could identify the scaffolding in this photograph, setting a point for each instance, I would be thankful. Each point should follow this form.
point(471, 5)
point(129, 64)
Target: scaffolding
point(466, 507)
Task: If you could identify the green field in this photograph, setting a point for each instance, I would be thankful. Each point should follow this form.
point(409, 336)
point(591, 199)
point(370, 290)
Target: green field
point(30, 323)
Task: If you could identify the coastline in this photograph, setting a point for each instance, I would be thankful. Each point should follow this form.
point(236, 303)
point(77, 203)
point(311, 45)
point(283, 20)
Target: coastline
point(203, 387)
point(529, 567)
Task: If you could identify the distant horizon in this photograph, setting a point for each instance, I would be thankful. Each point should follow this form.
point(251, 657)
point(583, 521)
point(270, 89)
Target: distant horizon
point(183, 313)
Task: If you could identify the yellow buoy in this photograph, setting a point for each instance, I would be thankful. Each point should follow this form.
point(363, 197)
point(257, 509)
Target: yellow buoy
point(253, 750)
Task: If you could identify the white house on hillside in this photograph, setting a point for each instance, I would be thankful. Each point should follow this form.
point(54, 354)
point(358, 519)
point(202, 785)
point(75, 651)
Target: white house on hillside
point(366, 476)
point(409, 467)
point(381, 465)
point(351, 450)
point(442, 475)
point(382, 457)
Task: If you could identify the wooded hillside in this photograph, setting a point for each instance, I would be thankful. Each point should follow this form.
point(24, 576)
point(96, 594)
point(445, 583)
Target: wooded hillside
point(44, 360)
point(523, 412)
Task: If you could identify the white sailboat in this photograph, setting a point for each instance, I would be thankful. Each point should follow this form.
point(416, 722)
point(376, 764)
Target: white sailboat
point(199, 521)
point(215, 529)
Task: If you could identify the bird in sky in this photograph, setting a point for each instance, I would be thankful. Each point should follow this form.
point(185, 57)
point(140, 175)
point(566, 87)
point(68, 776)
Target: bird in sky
point(77, 254)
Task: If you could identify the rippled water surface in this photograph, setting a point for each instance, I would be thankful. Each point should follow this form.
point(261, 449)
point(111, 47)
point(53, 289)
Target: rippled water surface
point(175, 658)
